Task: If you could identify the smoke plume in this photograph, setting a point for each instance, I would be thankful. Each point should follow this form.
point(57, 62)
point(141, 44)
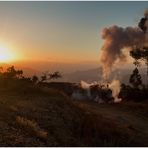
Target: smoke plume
point(115, 87)
point(118, 39)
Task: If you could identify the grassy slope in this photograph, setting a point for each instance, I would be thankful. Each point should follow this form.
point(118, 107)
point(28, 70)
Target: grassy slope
point(31, 116)
point(130, 115)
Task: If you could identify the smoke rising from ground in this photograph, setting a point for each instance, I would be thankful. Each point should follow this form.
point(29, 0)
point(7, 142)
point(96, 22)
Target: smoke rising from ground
point(118, 39)
point(98, 96)
point(115, 87)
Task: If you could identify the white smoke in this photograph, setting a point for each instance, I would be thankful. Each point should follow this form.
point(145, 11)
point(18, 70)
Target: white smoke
point(118, 39)
point(86, 86)
point(115, 87)
point(80, 95)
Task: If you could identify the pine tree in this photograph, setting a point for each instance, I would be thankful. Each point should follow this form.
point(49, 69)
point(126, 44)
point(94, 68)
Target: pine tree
point(135, 78)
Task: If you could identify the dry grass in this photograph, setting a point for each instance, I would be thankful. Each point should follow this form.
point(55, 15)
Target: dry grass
point(35, 116)
point(13, 108)
point(96, 130)
point(32, 127)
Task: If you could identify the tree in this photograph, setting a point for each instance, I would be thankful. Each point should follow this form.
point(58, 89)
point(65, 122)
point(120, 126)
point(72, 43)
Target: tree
point(55, 75)
point(140, 54)
point(135, 78)
point(44, 77)
point(1, 71)
point(19, 73)
point(27, 79)
point(142, 25)
point(144, 52)
point(136, 54)
point(11, 72)
point(34, 79)
point(144, 56)
point(48, 76)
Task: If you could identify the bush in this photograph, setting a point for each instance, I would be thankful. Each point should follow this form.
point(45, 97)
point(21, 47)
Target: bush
point(135, 94)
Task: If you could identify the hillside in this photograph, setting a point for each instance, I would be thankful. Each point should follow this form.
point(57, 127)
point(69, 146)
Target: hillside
point(74, 72)
point(39, 116)
point(130, 115)
point(63, 67)
point(95, 74)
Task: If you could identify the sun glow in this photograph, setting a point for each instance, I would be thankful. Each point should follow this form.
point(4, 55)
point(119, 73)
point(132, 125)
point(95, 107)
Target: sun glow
point(6, 55)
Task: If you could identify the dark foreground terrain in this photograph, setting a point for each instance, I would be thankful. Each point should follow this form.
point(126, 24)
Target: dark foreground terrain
point(40, 116)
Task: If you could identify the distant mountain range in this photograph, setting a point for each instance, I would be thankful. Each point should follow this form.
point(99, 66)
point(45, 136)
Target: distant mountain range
point(88, 72)
point(96, 75)
point(86, 75)
point(52, 66)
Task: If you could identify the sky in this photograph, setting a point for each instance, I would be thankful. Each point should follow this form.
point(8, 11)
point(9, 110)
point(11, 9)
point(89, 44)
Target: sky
point(62, 31)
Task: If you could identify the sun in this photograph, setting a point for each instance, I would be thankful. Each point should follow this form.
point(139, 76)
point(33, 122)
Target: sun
point(6, 54)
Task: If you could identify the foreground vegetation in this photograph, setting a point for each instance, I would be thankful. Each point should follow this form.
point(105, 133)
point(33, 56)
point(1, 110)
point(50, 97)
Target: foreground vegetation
point(35, 115)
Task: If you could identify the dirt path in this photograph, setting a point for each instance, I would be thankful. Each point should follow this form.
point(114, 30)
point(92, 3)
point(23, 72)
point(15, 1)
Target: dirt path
point(123, 116)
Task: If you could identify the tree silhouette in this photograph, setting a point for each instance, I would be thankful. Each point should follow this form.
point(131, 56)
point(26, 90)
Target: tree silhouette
point(27, 79)
point(11, 72)
point(136, 54)
point(19, 73)
point(135, 78)
point(1, 71)
point(49, 76)
point(144, 56)
point(55, 75)
point(142, 25)
point(141, 53)
point(34, 79)
point(44, 77)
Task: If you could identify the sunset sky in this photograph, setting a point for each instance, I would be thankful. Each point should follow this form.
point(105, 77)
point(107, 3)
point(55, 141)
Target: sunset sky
point(61, 31)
